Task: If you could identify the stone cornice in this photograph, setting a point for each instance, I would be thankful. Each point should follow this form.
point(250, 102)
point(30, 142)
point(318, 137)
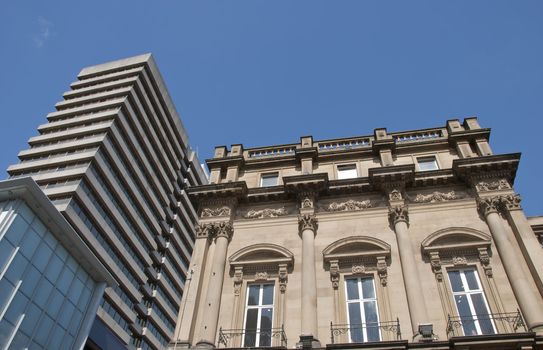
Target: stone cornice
point(315, 183)
point(225, 162)
point(307, 152)
point(469, 135)
point(236, 190)
point(382, 176)
point(487, 167)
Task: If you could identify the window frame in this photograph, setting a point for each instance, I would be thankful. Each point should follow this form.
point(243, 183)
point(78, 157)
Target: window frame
point(269, 175)
point(428, 158)
point(361, 300)
point(352, 166)
point(259, 307)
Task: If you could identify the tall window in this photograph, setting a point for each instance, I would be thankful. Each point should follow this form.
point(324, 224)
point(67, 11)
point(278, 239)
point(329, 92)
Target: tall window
point(362, 310)
point(470, 302)
point(347, 171)
point(427, 163)
point(269, 179)
point(259, 315)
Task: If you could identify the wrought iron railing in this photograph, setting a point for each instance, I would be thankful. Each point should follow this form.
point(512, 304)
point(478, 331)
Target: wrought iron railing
point(506, 322)
point(365, 332)
point(248, 338)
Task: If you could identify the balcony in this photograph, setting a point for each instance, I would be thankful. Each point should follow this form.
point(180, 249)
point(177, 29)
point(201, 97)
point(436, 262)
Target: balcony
point(498, 323)
point(365, 332)
point(251, 338)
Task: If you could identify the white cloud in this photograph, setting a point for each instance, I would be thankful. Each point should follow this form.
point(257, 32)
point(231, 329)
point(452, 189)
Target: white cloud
point(45, 31)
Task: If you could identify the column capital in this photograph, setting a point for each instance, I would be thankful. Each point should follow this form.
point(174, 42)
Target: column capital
point(308, 222)
point(398, 213)
point(224, 229)
point(204, 230)
point(488, 205)
point(511, 201)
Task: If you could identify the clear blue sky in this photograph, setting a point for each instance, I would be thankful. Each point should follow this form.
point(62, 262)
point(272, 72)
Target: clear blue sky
point(267, 72)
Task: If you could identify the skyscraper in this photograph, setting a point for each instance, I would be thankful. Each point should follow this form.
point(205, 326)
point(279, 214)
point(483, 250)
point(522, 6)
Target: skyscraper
point(115, 161)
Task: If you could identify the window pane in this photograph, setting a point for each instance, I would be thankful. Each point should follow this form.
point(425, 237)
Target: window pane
point(482, 313)
point(472, 280)
point(368, 291)
point(250, 327)
point(346, 172)
point(456, 281)
point(355, 322)
point(267, 294)
point(428, 163)
point(372, 320)
point(253, 295)
point(265, 327)
point(465, 313)
point(269, 180)
point(352, 289)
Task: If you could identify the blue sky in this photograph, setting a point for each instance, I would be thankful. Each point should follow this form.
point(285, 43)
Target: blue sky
point(268, 72)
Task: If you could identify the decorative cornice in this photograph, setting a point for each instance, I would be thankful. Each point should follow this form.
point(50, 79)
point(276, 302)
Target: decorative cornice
point(398, 175)
point(216, 192)
point(314, 183)
point(349, 205)
point(475, 169)
point(265, 213)
point(308, 222)
point(397, 214)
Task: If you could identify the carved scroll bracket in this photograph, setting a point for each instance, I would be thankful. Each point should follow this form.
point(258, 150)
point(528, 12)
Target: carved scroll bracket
point(238, 280)
point(382, 270)
point(283, 277)
point(435, 262)
point(334, 273)
point(485, 261)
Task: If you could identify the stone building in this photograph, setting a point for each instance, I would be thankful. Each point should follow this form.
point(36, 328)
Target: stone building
point(114, 159)
point(392, 241)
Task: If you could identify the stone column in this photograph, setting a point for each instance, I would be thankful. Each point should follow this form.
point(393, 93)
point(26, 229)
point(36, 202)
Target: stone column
point(308, 229)
point(527, 240)
point(530, 305)
point(415, 297)
point(208, 331)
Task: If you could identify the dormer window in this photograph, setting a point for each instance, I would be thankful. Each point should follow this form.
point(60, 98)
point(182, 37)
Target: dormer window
point(347, 171)
point(427, 163)
point(269, 179)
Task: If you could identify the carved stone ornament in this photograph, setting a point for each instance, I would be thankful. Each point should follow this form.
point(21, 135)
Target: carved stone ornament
point(307, 222)
point(215, 212)
point(436, 197)
point(358, 269)
point(488, 205)
point(459, 260)
point(306, 202)
point(283, 277)
point(501, 184)
point(511, 201)
point(265, 213)
point(349, 205)
point(238, 280)
point(485, 261)
point(223, 229)
point(398, 213)
point(334, 273)
point(435, 262)
point(204, 230)
point(382, 270)
point(395, 195)
point(261, 276)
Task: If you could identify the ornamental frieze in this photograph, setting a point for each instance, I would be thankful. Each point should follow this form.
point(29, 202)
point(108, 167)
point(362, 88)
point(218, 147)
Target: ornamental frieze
point(215, 212)
point(349, 205)
point(485, 186)
point(436, 197)
point(265, 213)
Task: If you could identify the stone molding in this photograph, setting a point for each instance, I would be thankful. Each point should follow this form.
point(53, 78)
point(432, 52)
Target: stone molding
point(215, 212)
point(266, 213)
point(307, 222)
point(435, 196)
point(349, 205)
point(485, 186)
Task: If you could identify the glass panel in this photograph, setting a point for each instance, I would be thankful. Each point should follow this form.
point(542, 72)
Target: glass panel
point(265, 327)
point(465, 313)
point(456, 281)
point(471, 279)
point(429, 163)
point(355, 322)
point(372, 320)
point(252, 299)
point(368, 292)
point(30, 243)
point(250, 328)
point(346, 172)
point(352, 289)
point(269, 180)
point(267, 294)
point(482, 313)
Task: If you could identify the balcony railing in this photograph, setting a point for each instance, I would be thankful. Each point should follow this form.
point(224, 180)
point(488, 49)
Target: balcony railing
point(249, 338)
point(510, 322)
point(418, 136)
point(366, 332)
point(343, 144)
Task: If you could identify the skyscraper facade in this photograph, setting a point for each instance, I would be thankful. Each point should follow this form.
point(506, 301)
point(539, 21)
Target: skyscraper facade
point(114, 159)
point(397, 240)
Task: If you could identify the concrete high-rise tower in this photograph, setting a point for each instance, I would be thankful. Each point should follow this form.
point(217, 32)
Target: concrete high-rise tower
point(114, 159)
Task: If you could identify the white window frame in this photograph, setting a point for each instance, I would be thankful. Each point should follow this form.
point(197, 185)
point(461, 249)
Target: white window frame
point(269, 175)
point(468, 294)
point(349, 167)
point(427, 159)
point(259, 307)
point(361, 301)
